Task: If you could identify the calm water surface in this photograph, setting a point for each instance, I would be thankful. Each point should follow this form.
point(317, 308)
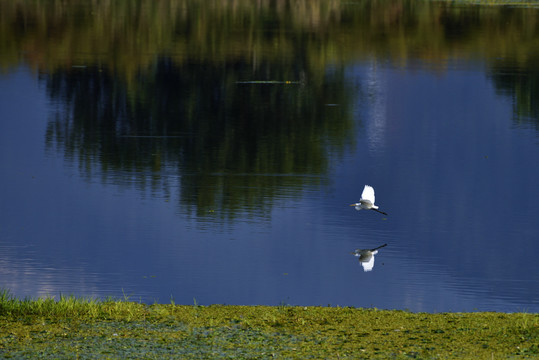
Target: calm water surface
point(206, 170)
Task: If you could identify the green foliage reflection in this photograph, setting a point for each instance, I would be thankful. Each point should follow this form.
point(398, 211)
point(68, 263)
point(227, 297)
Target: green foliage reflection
point(127, 37)
point(232, 145)
point(146, 86)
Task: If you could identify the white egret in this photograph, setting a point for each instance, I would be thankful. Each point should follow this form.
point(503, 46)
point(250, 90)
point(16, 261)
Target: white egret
point(367, 200)
point(366, 257)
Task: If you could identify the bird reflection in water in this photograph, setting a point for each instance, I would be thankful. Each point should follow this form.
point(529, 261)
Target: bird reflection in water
point(366, 257)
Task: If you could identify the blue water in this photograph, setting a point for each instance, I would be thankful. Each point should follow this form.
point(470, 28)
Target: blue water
point(454, 171)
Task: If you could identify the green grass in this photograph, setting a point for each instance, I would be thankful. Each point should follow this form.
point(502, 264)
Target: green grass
point(119, 329)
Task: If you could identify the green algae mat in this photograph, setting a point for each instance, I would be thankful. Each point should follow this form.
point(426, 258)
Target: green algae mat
point(71, 328)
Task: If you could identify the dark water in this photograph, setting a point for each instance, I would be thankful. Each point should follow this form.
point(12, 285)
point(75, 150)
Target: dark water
point(209, 155)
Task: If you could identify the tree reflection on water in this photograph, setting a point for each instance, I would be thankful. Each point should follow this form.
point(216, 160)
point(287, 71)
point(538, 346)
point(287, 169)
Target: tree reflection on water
point(149, 87)
point(232, 145)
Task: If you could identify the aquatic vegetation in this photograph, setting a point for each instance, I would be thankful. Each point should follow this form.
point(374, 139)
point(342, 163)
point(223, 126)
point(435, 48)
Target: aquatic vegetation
point(71, 327)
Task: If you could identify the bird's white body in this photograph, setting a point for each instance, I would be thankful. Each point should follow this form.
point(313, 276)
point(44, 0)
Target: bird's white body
point(366, 257)
point(366, 201)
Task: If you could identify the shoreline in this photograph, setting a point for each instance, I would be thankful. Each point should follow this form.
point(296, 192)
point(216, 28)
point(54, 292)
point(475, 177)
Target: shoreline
point(73, 327)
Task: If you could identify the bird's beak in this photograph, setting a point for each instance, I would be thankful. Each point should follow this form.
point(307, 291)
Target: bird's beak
point(352, 204)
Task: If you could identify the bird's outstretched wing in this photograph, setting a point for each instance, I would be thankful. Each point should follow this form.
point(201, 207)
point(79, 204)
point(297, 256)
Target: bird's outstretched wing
point(367, 263)
point(368, 193)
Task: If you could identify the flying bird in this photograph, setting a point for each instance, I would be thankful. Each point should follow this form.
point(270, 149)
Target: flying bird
point(366, 257)
point(367, 200)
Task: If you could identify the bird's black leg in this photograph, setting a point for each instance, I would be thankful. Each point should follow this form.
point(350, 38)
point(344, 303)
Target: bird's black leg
point(379, 247)
point(381, 212)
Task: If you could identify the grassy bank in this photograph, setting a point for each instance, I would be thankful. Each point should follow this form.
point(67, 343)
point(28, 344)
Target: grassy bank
point(81, 328)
